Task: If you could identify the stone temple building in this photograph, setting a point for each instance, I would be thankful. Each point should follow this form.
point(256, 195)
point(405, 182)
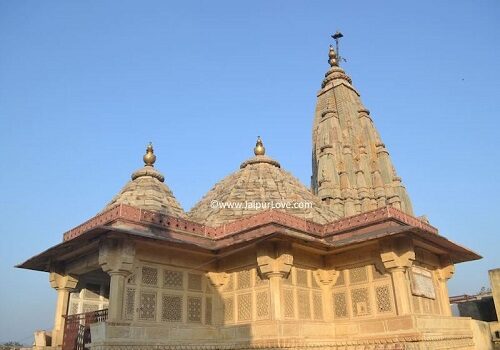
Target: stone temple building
point(341, 265)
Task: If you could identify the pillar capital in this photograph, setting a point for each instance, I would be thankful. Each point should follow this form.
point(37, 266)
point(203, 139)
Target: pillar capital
point(397, 254)
point(217, 279)
point(116, 256)
point(326, 278)
point(61, 281)
point(274, 259)
point(447, 269)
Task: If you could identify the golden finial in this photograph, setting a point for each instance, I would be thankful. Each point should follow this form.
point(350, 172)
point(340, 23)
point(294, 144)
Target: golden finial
point(259, 149)
point(149, 158)
point(332, 57)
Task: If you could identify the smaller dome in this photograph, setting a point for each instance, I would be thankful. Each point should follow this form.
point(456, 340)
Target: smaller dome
point(148, 191)
point(260, 181)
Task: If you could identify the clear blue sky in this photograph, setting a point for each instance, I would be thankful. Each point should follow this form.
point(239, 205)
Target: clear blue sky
point(84, 85)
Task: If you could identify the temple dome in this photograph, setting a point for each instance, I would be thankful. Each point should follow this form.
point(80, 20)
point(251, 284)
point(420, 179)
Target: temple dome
point(260, 181)
point(147, 190)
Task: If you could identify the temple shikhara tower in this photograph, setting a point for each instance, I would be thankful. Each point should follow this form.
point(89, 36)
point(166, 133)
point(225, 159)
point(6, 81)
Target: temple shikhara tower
point(352, 170)
point(262, 261)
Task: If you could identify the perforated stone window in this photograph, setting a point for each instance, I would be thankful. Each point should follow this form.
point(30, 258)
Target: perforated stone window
point(194, 309)
point(74, 308)
point(90, 307)
point(358, 275)
point(194, 282)
point(301, 275)
point(230, 283)
point(304, 304)
point(340, 305)
point(149, 276)
point(383, 298)
point(208, 310)
point(171, 308)
point(129, 303)
point(289, 303)
point(173, 279)
point(147, 308)
point(245, 307)
point(360, 302)
point(244, 279)
point(228, 305)
point(317, 306)
point(263, 305)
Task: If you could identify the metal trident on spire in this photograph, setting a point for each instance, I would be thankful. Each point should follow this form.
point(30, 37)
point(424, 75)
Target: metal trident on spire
point(336, 37)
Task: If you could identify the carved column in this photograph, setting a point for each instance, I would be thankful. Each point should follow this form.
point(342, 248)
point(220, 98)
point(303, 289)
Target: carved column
point(63, 284)
point(218, 280)
point(326, 279)
point(398, 255)
point(444, 274)
point(116, 258)
point(275, 261)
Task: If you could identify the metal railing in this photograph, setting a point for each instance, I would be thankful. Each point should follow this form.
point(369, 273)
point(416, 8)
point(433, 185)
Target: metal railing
point(77, 329)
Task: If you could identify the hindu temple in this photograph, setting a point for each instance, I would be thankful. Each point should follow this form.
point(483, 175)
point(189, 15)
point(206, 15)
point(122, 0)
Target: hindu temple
point(342, 264)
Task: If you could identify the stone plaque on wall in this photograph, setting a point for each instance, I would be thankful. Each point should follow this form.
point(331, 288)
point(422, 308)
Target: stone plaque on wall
point(421, 283)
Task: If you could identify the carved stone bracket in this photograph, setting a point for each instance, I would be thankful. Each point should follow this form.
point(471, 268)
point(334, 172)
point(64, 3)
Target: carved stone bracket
point(116, 256)
point(447, 269)
point(397, 256)
point(60, 280)
point(274, 259)
point(218, 279)
point(397, 253)
point(326, 278)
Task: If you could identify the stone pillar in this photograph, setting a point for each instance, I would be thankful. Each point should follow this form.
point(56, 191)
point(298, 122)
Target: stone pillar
point(275, 261)
point(326, 278)
point(444, 273)
point(398, 255)
point(63, 284)
point(495, 289)
point(218, 280)
point(116, 258)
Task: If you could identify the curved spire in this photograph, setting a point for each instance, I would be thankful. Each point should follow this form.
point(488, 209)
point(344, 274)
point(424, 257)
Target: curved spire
point(147, 190)
point(348, 151)
point(259, 149)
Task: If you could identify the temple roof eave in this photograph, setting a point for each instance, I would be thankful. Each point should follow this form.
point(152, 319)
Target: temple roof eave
point(141, 224)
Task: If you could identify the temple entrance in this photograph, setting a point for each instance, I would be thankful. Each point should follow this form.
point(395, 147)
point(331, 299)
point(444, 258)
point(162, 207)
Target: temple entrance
point(88, 304)
point(77, 329)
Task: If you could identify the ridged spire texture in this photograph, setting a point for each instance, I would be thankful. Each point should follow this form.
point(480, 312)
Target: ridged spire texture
point(147, 190)
point(352, 170)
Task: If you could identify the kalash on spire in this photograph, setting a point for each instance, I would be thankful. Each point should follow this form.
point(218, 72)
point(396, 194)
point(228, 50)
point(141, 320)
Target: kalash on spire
point(351, 168)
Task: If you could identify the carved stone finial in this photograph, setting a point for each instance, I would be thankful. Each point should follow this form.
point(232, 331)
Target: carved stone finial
point(149, 158)
point(332, 57)
point(259, 149)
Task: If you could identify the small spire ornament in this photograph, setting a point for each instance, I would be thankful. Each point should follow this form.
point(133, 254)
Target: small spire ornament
point(259, 149)
point(149, 158)
point(332, 57)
